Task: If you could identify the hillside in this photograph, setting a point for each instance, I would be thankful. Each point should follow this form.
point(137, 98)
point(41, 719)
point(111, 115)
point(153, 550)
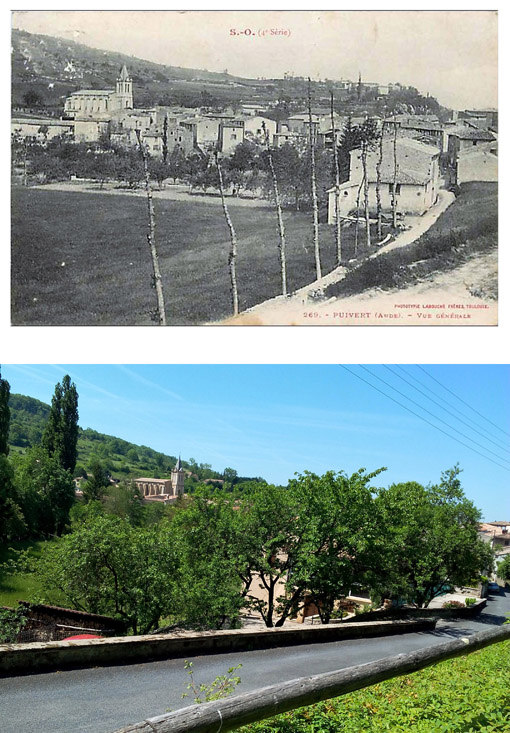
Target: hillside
point(122, 458)
point(54, 67)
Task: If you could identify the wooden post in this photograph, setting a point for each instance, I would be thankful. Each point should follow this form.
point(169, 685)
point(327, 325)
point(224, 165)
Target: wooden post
point(281, 227)
point(337, 188)
point(314, 188)
point(233, 240)
point(230, 713)
point(161, 315)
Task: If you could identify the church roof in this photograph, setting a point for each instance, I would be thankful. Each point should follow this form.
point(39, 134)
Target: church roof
point(92, 92)
point(178, 465)
point(124, 74)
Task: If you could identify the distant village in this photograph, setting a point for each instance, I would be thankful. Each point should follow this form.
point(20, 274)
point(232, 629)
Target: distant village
point(416, 147)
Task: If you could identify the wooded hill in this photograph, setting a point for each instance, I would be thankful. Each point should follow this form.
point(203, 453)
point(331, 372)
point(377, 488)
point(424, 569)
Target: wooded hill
point(121, 458)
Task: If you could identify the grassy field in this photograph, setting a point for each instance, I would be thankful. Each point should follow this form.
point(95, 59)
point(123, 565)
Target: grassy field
point(20, 586)
point(106, 276)
point(462, 695)
point(467, 228)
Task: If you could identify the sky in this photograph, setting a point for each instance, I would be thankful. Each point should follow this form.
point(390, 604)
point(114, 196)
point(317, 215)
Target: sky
point(451, 54)
point(276, 420)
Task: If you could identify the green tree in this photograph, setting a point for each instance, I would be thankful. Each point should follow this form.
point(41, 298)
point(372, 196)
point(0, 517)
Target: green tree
point(106, 566)
point(230, 477)
point(503, 569)
point(5, 416)
point(125, 500)
point(430, 539)
point(46, 492)
point(12, 522)
point(60, 436)
point(210, 588)
point(97, 482)
point(338, 534)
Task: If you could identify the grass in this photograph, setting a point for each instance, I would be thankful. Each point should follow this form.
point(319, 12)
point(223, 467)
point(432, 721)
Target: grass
point(471, 693)
point(21, 586)
point(106, 276)
point(468, 227)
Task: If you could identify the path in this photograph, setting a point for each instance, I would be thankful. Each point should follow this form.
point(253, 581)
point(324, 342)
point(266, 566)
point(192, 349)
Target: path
point(291, 310)
point(177, 192)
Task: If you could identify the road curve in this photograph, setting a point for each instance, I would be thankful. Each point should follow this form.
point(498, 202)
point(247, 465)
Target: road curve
point(103, 699)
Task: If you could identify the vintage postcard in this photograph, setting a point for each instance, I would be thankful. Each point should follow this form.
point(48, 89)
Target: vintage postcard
point(254, 168)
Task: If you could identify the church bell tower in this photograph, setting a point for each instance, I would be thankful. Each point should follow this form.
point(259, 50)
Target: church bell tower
point(177, 478)
point(124, 89)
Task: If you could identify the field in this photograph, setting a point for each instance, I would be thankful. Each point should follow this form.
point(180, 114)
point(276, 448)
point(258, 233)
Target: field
point(462, 695)
point(82, 258)
point(21, 586)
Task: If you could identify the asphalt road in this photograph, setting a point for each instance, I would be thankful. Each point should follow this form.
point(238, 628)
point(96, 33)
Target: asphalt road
point(106, 698)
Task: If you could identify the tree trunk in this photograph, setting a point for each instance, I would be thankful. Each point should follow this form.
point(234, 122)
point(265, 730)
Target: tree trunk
point(395, 173)
point(378, 184)
point(281, 228)
point(315, 204)
point(156, 274)
point(165, 139)
point(366, 189)
point(337, 189)
point(356, 230)
point(233, 239)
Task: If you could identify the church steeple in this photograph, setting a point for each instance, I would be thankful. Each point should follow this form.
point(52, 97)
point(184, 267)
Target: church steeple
point(124, 89)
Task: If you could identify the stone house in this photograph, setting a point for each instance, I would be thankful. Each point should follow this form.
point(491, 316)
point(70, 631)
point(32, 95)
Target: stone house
point(417, 179)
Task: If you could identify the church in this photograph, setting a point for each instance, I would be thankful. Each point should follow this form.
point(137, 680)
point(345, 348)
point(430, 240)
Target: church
point(101, 104)
point(161, 489)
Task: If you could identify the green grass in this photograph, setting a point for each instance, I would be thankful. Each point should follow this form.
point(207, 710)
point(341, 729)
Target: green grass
point(107, 273)
point(462, 695)
point(467, 228)
point(21, 586)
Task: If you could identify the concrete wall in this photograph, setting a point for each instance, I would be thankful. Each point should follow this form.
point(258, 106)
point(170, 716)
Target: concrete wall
point(428, 613)
point(26, 658)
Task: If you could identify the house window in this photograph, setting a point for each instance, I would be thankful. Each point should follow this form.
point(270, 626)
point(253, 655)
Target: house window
point(397, 189)
point(474, 142)
point(233, 136)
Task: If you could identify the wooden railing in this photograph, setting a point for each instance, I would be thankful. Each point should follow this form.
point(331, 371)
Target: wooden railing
point(230, 713)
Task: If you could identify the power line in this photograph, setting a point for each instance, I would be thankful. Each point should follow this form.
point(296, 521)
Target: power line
point(460, 398)
point(501, 447)
point(424, 419)
point(488, 450)
point(455, 407)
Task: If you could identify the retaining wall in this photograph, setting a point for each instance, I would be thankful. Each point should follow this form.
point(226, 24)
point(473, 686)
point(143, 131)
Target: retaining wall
point(43, 656)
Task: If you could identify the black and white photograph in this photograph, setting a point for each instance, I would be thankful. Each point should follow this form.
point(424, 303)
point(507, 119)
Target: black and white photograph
point(254, 168)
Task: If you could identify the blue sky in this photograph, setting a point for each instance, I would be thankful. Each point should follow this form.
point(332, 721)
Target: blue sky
point(274, 420)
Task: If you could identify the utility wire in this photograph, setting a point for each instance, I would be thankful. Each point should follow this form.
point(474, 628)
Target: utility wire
point(422, 418)
point(460, 398)
point(501, 447)
point(488, 450)
point(455, 407)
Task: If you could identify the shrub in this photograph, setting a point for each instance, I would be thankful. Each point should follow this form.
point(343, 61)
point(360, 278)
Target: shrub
point(470, 602)
point(453, 604)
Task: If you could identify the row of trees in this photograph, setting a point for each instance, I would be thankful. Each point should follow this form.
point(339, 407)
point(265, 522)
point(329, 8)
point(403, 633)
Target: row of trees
point(37, 488)
point(270, 549)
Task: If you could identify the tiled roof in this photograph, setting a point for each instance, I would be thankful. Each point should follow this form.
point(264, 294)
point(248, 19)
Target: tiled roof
point(472, 134)
point(413, 162)
point(92, 92)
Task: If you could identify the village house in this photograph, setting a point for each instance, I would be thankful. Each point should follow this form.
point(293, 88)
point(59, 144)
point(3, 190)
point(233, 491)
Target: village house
point(416, 179)
point(254, 131)
point(40, 129)
point(478, 163)
point(463, 137)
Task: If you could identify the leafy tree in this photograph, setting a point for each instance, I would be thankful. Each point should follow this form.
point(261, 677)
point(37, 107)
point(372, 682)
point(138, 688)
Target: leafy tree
point(125, 501)
point(97, 482)
point(60, 437)
point(45, 490)
point(106, 566)
point(31, 98)
point(209, 585)
point(503, 569)
point(12, 522)
point(230, 477)
point(5, 416)
point(430, 539)
point(338, 535)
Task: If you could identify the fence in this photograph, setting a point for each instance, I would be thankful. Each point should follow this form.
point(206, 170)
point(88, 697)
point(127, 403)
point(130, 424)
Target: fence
point(230, 713)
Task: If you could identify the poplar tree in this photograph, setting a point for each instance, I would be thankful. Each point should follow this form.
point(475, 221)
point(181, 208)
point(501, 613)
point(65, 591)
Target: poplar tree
point(60, 436)
point(5, 415)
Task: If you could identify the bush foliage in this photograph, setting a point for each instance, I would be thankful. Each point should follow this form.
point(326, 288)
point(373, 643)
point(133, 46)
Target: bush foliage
point(462, 695)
